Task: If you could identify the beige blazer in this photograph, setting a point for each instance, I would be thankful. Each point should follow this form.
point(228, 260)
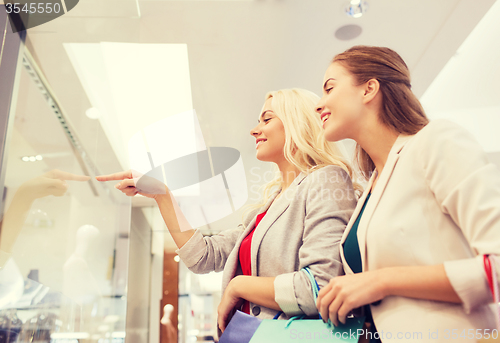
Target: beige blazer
point(302, 228)
point(437, 201)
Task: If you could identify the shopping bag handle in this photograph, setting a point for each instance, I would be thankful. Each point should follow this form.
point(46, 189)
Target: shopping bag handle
point(314, 283)
point(315, 290)
point(490, 269)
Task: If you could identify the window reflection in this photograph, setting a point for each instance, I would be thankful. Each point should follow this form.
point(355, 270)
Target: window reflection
point(63, 241)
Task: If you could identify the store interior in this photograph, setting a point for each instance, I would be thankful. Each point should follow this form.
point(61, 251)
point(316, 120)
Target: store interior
point(119, 84)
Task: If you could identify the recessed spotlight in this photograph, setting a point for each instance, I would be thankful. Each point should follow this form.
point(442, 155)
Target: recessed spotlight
point(356, 8)
point(32, 158)
point(25, 158)
point(348, 32)
point(39, 157)
point(177, 258)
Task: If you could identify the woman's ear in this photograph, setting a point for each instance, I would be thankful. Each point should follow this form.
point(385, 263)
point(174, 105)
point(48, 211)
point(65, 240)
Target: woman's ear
point(371, 89)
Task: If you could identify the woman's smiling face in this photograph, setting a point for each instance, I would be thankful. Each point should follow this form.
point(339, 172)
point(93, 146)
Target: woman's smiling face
point(269, 135)
point(341, 106)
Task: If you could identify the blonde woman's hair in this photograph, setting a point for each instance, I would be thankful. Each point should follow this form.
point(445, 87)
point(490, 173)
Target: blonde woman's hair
point(305, 144)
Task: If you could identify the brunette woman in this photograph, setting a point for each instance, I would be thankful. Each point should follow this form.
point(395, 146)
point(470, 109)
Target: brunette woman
point(413, 250)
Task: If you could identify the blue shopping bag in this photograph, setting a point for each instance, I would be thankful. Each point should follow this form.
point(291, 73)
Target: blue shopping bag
point(240, 329)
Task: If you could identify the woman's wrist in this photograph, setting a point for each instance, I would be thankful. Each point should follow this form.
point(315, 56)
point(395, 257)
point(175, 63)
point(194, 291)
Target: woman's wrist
point(235, 286)
point(161, 197)
point(386, 281)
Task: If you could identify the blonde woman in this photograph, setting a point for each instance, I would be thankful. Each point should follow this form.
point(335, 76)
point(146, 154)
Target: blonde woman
point(298, 224)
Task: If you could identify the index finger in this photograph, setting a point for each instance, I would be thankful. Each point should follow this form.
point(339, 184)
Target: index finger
point(62, 175)
point(116, 176)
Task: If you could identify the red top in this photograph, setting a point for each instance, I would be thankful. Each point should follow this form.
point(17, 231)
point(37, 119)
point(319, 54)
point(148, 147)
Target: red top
point(245, 256)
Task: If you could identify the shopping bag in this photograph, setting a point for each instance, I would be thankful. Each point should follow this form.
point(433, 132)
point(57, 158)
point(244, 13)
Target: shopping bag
point(240, 329)
point(244, 328)
point(310, 330)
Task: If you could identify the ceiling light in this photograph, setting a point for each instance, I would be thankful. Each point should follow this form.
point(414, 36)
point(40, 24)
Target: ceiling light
point(356, 8)
point(93, 113)
point(32, 158)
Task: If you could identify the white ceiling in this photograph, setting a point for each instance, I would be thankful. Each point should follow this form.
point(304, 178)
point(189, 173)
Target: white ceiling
point(239, 50)
point(467, 90)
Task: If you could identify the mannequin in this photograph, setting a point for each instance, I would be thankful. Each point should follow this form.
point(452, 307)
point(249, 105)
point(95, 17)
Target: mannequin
point(167, 322)
point(78, 282)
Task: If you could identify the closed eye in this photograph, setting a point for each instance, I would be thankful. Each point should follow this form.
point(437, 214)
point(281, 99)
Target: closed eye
point(267, 119)
point(328, 90)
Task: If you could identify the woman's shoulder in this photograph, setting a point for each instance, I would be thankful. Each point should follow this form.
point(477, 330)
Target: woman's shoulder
point(330, 187)
point(440, 130)
point(329, 171)
point(329, 175)
point(447, 144)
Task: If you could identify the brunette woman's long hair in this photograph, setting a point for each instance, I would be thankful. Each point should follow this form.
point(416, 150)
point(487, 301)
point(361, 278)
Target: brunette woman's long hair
point(401, 109)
